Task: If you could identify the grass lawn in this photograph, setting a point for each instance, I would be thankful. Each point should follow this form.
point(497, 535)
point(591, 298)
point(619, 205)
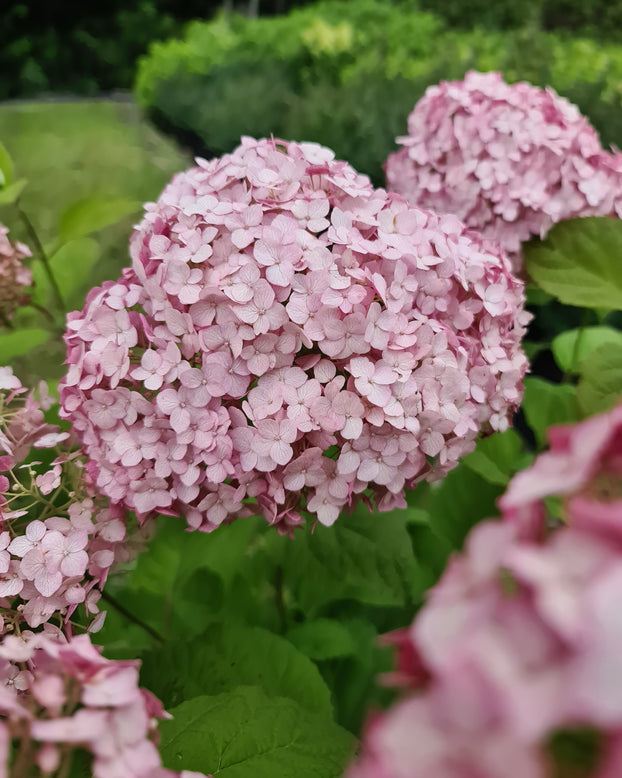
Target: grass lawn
point(71, 150)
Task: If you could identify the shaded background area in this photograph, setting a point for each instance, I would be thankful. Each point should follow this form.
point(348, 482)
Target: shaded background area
point(112, 98)
point(73, 150)
point(70, 46)
point(85, 48)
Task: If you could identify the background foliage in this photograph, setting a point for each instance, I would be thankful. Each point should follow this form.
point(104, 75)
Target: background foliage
point(347, 75)
point(273, 644)
point(87, 48)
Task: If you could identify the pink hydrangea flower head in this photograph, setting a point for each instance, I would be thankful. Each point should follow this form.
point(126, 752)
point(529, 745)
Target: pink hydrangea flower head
point(15, 277)
point(510, 160)
point(583, 468)
point(291, 339)
point(519, 644)
point(58, 536)
point(61, 694)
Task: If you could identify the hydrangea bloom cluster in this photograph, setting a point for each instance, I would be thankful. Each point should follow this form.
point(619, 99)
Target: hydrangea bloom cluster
point(508, 160)
point(291, 338)
point(518, 652)
point(58, 695)
point(14, 275)
point(58, 538)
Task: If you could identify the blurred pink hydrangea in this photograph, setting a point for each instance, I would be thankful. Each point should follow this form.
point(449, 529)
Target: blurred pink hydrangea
point(508, 160)
point(521, 640)
point(290, 339)
point(58, 536)
point(58, 695)
point(15, 277)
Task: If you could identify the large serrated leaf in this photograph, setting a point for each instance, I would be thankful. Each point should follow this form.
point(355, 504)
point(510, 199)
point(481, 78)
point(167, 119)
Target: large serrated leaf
point(600, 387)
point(579, 262)
point(178, 586)
point(323, 639)
point(246, 734)
point(573, 346)
point(546, 404)
point(365, 557)
point(228, 656)
point(461, 500)
point(496, 458)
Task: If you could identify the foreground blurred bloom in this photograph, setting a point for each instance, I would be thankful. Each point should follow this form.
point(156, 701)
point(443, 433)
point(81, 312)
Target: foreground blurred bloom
point(521, 641)
point(59, 695)
point(508, 160)
point(58, 537)
point(289, 339)
point(14, 276)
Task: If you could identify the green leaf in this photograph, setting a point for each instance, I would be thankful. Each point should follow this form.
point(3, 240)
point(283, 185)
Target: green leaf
point(71, 266)
point(600, 386)
point(246, 733)
point(496, 458)
point(365, 557)
point(174, 553)
point(14, 344)
point(92, 214)
point(546, 404)
point(461, 500)
point(179, 585)
point(432, 550)
point(354, 680)
point(231, 655)
point(579, 262)
point(537, 296)
point(572, 347)
point(323, 639)
point(6, 167)
point(10, 193)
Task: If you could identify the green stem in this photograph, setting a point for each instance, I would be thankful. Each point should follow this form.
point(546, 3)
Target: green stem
point(43, 311)
point(131, 617)
point(44, 259)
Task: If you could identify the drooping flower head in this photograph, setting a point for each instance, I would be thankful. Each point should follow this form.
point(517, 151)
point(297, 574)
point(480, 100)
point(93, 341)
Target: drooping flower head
point(520, 640)
point(15, 277)
point(59, 696)
point(508, 160)
point(288, 340)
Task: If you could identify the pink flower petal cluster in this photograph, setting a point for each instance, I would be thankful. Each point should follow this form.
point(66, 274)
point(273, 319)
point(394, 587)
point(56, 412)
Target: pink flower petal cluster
point(520, 644)
point(15, 277)
point(59, 694)
point(508, 160)
point(289, 339)
point(58, 537)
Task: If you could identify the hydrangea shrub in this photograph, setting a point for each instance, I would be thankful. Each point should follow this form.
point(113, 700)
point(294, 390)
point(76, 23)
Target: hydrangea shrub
point(59, 537)
point(15, 277)
point(518, 646)
point(60, 694)
point(290, 337)
point(509, 160)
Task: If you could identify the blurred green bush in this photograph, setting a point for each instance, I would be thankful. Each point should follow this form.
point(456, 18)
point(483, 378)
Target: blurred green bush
point(595, 18)
point(85, 48)
point(347, 75)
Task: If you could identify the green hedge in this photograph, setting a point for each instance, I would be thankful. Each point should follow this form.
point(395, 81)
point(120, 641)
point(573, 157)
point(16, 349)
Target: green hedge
point(347, 75)
point(598, 18)
point(78, 47)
